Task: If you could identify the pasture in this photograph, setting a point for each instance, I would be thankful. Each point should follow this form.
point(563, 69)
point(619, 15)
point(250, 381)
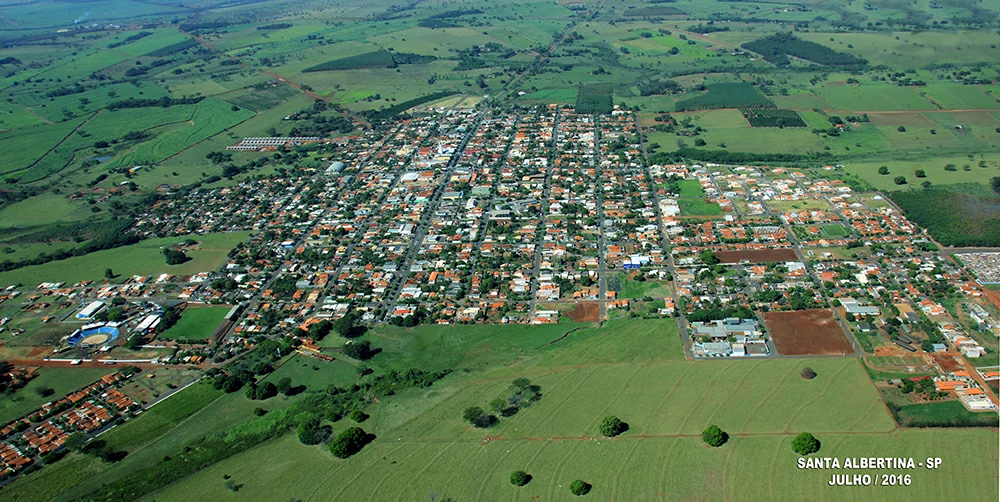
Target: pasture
point(143, 258)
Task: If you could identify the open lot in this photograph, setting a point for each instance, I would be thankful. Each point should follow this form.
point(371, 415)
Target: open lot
point(807, 332)
point(762, 256)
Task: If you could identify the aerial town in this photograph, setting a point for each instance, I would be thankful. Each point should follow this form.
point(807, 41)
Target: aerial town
point(536, 216)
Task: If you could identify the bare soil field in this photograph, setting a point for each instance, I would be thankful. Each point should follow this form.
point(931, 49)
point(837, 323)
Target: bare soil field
point(947, 363)
point(586, 312)
point(806, 332)
point(761, 256)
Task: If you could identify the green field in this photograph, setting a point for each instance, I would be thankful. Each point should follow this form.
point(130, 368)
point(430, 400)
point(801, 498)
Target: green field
point(61, 380)
point(665, 400)
point(161, 418)
point(197, 323)
point(698, 207)
point(747, 468)
point(144, 258)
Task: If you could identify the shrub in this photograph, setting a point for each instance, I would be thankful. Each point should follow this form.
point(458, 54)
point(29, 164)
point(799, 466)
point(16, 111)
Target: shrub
point(519, 478)
point(359, 416)
point(612, 426)
point(714, 436)
point(808, 373)
point(580, 487)
point(805, 443)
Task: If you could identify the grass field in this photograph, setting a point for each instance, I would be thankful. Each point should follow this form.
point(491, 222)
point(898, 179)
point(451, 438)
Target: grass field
point(162, 417)
point(666, 401)
point(61, 380)
point(42, 210)
point(698, 207)
point(747, 468)
point(197, 323)
point(144, 258)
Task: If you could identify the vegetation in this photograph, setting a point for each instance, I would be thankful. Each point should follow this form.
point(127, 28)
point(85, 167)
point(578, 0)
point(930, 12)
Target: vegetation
point(579, 487)
point(349, 442)
point(714, 436)
point(612, 426)
point(805, 443)
point(953, 218)
point(594, 98)
point(519, 478)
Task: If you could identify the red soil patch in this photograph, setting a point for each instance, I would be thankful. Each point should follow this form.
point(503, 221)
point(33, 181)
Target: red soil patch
point(947, 363)
point(993, 296)
point(890, 350)
point(761, 256)
point(807, 332)
point(585, 312)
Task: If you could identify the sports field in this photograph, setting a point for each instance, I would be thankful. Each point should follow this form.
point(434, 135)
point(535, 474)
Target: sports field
point(197, 323)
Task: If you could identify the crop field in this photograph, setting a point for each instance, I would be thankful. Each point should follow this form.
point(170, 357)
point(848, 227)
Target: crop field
point(807, 332)
point(874, 97)
point(144, 258)
point(61, 380)
point(212, 117)
point(42, 209)
point(773, 118)
point(197, 323)
point(735, 95)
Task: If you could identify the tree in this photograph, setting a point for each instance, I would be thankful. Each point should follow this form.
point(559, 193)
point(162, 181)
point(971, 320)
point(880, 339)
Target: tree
point(920, 173)
point(358, 416)
point(44, 391)
point(109, 274)
point(174, 256)
point(714, 436)
point(318, 331)
point(708, 257)
point(805, 443)
point(883, 170)
point(612, 426)
point(519, 478)
point(284, 385)
point(579, 487)
point(899, 180)
point(901, 129)
point(472, 413)
point(310, 432)
point(349, 442)
point(361, 351)
point(700, 142)
point(266, 390)
point(807, 373)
